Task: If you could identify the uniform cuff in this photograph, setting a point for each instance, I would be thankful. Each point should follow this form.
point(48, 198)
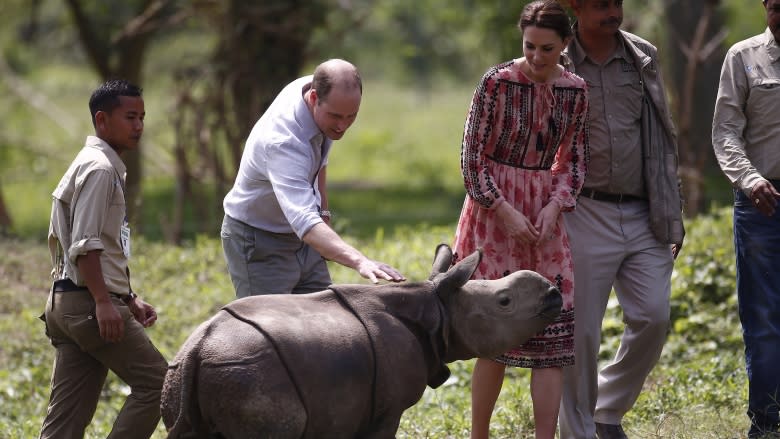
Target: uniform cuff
point(82, 247)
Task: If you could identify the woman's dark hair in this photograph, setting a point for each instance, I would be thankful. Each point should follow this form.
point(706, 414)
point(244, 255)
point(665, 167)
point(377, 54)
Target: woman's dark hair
point(548, 14)
point(106, 96)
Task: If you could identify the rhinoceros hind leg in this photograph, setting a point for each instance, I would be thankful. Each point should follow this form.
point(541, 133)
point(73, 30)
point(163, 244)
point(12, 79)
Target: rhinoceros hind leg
point(245, 391)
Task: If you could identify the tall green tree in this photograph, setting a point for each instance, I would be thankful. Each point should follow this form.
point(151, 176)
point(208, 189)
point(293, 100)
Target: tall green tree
point(696, 53)
point(260, 47)
point(115, 36)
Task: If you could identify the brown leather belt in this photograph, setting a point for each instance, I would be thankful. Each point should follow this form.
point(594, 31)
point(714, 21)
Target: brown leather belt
point(606, 196)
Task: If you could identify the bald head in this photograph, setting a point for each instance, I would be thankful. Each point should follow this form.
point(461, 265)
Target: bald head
point(336, 73)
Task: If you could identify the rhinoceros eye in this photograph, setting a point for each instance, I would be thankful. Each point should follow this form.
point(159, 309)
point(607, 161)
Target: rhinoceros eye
point(504, 301)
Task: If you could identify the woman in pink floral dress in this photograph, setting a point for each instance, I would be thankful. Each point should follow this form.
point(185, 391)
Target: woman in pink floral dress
point(523, 160)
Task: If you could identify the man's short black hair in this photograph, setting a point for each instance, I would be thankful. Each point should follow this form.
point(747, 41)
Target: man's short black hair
point(106, 97)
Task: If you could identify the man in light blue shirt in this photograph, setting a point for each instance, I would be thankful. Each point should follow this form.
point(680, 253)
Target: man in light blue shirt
point(275, 233)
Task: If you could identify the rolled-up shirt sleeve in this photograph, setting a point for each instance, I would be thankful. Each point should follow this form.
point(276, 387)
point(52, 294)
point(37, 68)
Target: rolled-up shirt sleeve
point(728, 124)
point(288, 171)
point(90, 209)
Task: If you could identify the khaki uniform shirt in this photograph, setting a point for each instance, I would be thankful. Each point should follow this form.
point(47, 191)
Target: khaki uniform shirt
point(88, 212)
point(746, 125)
point(615, 97)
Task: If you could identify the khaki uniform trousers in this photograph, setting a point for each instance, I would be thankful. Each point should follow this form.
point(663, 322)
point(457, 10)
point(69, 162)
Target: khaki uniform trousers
point(612, 246)
point(82, 362)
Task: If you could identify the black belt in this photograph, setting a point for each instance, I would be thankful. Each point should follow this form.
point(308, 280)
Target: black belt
point(67, 285)
point(606, 196)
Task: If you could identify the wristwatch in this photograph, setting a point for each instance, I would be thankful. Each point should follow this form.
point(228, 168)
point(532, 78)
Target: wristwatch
point(325, 214)
point(129, 297)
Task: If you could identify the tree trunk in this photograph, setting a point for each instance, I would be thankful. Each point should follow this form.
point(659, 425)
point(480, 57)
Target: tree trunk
point(130, 62)
point(122, 55)
point(696, 53)
point(261, 48)
point(5, 217)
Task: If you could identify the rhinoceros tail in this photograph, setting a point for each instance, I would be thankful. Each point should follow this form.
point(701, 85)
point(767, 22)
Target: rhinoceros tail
point(179, 406)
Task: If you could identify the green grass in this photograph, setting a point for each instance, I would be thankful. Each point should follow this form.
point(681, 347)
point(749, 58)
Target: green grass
point(697, 391)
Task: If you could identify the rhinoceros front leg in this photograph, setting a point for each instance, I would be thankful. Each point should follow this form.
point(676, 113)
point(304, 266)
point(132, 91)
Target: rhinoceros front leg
point(384, 427)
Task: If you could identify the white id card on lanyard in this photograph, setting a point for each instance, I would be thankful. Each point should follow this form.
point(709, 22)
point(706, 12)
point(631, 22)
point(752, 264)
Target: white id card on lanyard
point(124, 238)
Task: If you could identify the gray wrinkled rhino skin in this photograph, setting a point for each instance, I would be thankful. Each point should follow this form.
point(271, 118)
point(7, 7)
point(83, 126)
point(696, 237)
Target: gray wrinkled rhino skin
point(345, 362)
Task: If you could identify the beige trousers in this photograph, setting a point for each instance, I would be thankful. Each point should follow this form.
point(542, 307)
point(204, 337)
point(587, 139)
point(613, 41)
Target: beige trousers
point(612, 247)
point(82, 362)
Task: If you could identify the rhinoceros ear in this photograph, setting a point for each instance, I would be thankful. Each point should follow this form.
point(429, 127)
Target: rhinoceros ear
point(441, 260)
point(458, 275)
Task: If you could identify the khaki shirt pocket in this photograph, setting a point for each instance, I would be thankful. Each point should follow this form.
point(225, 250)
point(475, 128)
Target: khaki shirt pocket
point(764, 98)
point(627, 96)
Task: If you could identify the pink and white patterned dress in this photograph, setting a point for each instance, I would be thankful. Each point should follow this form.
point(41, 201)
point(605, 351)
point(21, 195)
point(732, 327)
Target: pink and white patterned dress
point(525, 143)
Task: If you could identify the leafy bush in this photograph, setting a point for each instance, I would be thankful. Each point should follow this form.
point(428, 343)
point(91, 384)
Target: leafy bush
point(704, 300)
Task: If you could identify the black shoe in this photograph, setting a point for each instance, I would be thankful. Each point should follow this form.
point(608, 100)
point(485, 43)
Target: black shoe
point(610, 431)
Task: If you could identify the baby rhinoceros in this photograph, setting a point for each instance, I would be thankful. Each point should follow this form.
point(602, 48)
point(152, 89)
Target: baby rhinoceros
point(347, 361)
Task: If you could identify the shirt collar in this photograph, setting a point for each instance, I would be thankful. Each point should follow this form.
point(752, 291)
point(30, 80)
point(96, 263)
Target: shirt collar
point(580, 55)
point(772, 48)
point(309, 128)
point(111, 154)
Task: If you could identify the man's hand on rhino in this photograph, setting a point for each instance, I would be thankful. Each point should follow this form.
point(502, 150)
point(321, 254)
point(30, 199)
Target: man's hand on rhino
point(374, 270)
